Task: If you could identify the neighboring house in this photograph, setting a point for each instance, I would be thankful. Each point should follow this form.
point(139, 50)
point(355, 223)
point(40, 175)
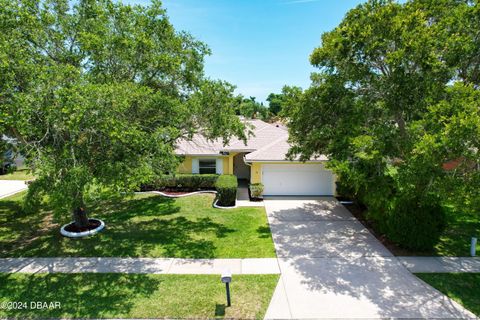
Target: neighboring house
point(9, 157)
point(261, 159)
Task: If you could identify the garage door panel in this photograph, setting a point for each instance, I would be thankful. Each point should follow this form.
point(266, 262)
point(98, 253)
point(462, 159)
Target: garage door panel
point(298, 179)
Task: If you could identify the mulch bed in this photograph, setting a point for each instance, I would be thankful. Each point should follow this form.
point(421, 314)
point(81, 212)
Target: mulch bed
point(359, 211)
point(92, 224)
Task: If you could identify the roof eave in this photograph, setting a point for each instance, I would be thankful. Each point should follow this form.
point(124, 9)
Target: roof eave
point(200, 154)
point(270, 160)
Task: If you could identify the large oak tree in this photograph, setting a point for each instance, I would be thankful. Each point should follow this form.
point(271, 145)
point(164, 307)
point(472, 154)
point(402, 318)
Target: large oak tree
point(395, 98)
point(96, 94)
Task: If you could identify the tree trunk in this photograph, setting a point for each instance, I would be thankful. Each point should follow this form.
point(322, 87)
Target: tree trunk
point(80, 217)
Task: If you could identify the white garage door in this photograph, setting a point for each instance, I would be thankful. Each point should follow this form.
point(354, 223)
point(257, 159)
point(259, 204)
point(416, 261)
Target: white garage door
point(297, 179)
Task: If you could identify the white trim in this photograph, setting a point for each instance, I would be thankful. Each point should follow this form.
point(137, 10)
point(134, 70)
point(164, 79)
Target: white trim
point(219, 166)
point(215, 205)
point(195, 165)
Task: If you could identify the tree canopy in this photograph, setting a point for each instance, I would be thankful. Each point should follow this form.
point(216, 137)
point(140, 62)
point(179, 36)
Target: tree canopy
point(397, 96)
point(252, 109)
point(96, 94)
point(275, 103)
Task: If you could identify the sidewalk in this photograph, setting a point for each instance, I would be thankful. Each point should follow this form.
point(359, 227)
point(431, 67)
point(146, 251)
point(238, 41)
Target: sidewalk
point(10, 187)
point(441, 264)
point(140, 265)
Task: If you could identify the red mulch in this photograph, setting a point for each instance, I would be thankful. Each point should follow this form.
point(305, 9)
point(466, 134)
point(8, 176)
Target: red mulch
point(175, 193)
point(92, 224)
point(179, 193)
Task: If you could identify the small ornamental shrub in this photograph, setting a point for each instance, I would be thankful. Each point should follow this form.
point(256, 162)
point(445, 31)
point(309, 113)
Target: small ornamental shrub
point(226, 186)
point(256, 190)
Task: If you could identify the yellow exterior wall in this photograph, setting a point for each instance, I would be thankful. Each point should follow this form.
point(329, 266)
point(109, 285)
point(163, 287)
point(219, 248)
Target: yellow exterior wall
point(186, 165)
point(256, 172)
point(226, 164)
point(230, 163)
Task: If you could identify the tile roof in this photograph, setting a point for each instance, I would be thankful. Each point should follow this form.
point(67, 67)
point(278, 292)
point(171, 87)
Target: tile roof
point(269, 142)
point(275, 151)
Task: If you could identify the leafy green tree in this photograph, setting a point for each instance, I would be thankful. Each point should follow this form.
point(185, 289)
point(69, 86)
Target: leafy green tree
point(396, 96)
point(97, 93)
point(251, 109)
point(275, 103)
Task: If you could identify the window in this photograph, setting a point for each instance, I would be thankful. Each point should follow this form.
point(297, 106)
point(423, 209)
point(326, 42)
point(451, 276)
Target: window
point(207, 166)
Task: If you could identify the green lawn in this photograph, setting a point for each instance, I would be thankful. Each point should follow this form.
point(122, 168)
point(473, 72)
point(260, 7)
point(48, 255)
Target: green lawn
point(145, 226)
point(455, 240)
point(94, 295)
point(461, 287)
point(17, 175)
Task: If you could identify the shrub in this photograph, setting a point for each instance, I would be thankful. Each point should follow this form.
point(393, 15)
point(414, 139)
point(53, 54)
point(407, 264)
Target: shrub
point(226, 186)
point(416, 223)
point(183, 182)
point(256, 190)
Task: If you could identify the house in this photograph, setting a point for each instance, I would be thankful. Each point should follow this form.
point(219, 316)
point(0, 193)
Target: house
point(261, 159)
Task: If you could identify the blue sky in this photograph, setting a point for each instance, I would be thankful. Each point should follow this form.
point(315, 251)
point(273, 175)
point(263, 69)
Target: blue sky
point(261, 45)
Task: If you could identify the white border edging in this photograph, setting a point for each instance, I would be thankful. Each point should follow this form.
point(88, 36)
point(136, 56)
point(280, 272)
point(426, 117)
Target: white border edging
point(84, 233)
point(215, 205)
point(177, 196)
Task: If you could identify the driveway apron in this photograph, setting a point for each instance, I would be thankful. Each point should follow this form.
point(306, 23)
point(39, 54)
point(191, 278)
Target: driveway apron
point(333, 267)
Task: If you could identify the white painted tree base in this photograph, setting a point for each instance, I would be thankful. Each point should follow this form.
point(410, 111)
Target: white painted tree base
point(69, 234)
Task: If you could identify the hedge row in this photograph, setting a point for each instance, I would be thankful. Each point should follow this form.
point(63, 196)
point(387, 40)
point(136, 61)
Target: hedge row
point(226, 186)
point(187, 182)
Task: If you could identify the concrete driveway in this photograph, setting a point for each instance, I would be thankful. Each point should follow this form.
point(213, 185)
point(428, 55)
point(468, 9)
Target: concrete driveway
point(9, 187)
point(332, 267)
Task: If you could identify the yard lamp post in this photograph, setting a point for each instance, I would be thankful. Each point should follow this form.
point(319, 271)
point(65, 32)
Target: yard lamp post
point(473, 246)
point(227, 278)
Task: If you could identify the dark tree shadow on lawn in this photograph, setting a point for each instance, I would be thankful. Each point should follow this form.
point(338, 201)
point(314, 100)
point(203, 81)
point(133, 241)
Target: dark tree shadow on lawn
point(21, 229)
point(264, 232)
point(157, 232)
point(219, 310)
point(80, 295)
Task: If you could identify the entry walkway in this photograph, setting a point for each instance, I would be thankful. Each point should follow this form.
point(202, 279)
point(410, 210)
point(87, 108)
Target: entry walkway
point(333, 267)
point(243, 199)
point(140, 265)
point(10, 187)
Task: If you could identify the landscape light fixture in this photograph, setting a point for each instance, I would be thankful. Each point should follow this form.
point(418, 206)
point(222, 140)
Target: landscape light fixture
point(473, 246)
point(227, 278)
